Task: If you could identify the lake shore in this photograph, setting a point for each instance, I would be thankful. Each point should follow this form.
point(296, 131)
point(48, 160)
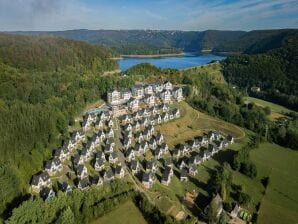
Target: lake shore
point(151, 55)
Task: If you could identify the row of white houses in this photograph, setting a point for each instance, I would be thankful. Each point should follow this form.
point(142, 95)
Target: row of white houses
point(150, 94)
point(186, 157)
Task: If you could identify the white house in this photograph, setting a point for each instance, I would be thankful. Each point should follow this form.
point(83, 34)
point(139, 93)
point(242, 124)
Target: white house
point(126, 95)
point(114, 97)
point(158, 87)
point(119, 171)
point(167, 85)
point(148, 180)
point(133, 104)
point(166, 96)
point(53, 166)
point(150, 100)
point(81, 171)
point(40, 180)
point(138, 92)
point(99, 164)
point(148, 89)
point(177, 94)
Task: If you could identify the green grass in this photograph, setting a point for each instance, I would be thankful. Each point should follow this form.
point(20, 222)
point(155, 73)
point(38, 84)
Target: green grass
point(277, 111)
point(194, 123)
point(274, 107)
point(126, 213)
point(280, 203)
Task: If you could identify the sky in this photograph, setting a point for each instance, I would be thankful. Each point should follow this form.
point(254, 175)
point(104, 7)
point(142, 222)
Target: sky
point(51, 15)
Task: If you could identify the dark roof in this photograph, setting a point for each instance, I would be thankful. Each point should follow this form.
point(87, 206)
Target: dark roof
point(62, 186)
point(183, 172)
point(168, 162)
point(48, 164)
point(45, 176)
point(95, 179)
point(44, 193)
point(134, 164)
point(118, 169)
point(84, 182)
point(100, 161)
point(109, 173)
point(193, 168)
point(146, 177)
point(80, 169)
point(166, 174)
point(150, 164)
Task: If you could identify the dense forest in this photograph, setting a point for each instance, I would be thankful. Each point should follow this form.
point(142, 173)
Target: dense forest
point(162, 41)
point(45, 83)
point(274, 72)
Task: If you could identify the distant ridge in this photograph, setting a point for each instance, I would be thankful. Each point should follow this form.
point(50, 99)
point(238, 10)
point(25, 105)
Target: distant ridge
point(175, 41)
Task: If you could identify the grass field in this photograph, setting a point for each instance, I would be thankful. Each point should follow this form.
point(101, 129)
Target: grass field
point(193, 123)
point(280, 203)
point(277, 111)
point(126, 213)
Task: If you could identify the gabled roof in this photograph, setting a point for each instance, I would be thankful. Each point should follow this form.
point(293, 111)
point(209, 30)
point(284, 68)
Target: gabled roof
point(109, 173)
point(96, 179)
point(118, 169)
point(84, 182)
point(134, 164)
point(183, 172)
point(80, 168)
point(166, 174)
point(46, 192)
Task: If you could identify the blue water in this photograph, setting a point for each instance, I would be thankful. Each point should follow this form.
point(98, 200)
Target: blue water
point(179, 62)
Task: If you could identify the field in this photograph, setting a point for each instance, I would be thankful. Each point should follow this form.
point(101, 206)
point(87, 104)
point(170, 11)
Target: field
point(280, 203)
point(126, 213)
point(193, 123)
point(277, 111)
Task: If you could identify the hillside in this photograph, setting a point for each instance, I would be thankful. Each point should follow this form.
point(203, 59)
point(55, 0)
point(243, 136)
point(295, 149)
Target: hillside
point(51, 53)
point(45, 83)
point(162, 41)
point(275, 71)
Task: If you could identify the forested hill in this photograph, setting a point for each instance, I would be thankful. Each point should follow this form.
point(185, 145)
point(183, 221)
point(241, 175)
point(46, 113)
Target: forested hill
point(275, 71)
point(44, 83)
point(161, 41)
point(52, 53)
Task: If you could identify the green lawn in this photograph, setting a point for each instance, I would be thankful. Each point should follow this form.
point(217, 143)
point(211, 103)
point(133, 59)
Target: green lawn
point(126, 213)
point(280, 203)
point(277, 111)
point(274, 107)
point(194, 123)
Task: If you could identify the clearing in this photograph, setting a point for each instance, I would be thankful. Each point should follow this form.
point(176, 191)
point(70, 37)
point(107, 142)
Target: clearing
point(280, 203)
point(194, 123)
point(277, 111)
point(127, 213)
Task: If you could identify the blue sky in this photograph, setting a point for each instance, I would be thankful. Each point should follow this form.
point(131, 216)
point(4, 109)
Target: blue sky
point(148, 14)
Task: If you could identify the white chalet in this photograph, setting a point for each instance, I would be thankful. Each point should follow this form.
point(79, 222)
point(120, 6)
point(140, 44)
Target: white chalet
point(40, 180)
point(158, 87)
point(133, 104)
point(53, 166)
point(138, 91)
point(114, 97)
point(150, 100)
point(125, 95)
point(166, 96)
point(148, 89)
point(168, 86)
point(177, 94)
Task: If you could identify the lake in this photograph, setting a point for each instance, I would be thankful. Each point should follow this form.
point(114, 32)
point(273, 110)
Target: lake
point(178, 62)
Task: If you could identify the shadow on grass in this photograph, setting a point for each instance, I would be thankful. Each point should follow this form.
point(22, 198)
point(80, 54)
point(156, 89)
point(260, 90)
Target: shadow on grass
point(226, 155)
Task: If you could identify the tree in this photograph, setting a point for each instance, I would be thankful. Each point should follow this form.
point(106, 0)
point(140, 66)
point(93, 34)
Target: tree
point(212, 213)
point(67, 217)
